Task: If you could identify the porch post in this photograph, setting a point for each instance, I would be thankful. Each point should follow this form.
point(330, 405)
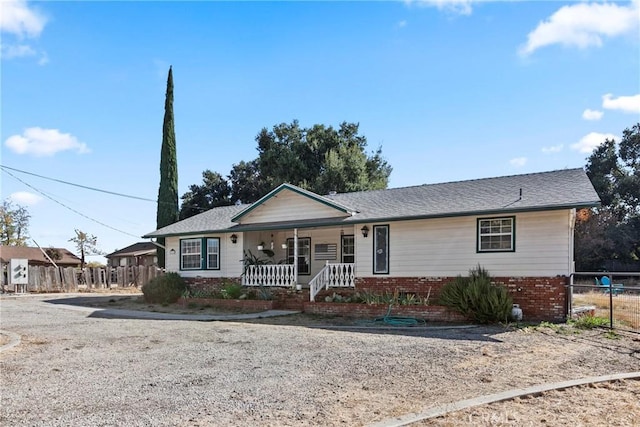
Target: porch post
point(295, 255)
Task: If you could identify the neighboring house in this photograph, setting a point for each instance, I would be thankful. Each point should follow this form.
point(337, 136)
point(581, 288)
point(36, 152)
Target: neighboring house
point(414, 239)
point(141, 253)
point(36, 257)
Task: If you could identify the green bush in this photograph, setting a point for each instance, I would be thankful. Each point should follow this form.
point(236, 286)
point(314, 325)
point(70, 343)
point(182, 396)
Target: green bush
point(590, 322)
point(164, 289)
point(231, 290)
point(477, 298)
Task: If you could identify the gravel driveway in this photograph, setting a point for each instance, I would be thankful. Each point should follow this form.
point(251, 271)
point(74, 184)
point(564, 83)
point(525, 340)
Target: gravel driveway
point(72, 369)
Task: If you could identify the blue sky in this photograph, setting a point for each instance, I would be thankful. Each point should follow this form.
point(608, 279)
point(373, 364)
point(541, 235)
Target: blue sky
point(450, 90)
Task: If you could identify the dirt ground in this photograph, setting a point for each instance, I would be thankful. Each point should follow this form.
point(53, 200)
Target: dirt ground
point(576, 406)
point(544, 352)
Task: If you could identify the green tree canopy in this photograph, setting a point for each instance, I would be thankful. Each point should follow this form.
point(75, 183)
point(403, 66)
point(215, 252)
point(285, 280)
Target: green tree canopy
point(246, 183)
point(320, 159)
point(167, 211)
point(14, 224)
point(612, 232)
point(215, 191)
point(86, 244)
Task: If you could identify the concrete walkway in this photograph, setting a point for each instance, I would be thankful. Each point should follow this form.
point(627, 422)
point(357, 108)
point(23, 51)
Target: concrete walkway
point(441, 410)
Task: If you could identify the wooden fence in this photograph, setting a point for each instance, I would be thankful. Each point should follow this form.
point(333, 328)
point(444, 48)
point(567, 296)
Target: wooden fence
point(70, 279)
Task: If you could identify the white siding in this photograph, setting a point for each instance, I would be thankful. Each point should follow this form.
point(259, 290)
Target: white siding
point(290, 206)
point(230, 257)
point(447, 247)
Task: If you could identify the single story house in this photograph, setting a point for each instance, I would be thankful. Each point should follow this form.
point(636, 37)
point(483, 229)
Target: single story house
point(61, 256)
point(141, 253)
point(413, 239)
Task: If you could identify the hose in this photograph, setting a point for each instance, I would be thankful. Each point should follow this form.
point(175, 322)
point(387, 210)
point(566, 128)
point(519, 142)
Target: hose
point(399, 320)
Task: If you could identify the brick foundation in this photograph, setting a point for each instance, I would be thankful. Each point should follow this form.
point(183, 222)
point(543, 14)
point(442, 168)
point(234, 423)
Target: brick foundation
point(432, 313)
point(241, 305)
point(540, 298)
point(209, 284)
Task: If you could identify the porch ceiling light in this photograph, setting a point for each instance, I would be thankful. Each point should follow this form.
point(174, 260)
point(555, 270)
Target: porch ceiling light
point(234, 238)
point(172, 251)
point(365, 231)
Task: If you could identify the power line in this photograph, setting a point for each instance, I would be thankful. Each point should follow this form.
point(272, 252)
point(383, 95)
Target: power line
point(67, 207)
point(5, 168)
point(76, 185)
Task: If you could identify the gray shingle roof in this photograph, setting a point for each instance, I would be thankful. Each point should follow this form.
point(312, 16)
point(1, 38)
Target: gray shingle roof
point(568, 188)
point(35, 255)
point(137, 249)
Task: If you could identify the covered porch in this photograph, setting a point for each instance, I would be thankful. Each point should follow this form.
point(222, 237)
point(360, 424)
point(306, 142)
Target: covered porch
point(317, 258)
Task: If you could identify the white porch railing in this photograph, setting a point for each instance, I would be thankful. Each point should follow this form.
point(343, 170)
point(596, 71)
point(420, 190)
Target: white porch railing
point(269, 275)
point(333, 276)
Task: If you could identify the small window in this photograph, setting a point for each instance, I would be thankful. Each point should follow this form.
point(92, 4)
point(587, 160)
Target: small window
point(380, 249)
point(190, 254)
point(348, 249)
point(496, 234)
point(304, 254)
point(213, 253)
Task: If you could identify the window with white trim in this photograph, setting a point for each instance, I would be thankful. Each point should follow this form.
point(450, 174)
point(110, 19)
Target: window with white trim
point(348, 249)
point(213, 253)
point(304, 254)
point(191, 254)
point(497, 234)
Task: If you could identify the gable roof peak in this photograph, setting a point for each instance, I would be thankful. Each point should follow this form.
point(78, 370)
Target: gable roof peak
point(301, 191)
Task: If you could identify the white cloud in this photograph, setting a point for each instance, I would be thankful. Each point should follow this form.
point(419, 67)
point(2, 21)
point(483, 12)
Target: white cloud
point(592, 114)
point(24, 198)
point(44, 142)
point(590, 141)
point(16, 51)
point(518, 162)
point(583, 25)
point(402, 24)
point(628, 104)
point(552, 149)
point(20, 19)
point(462, 7)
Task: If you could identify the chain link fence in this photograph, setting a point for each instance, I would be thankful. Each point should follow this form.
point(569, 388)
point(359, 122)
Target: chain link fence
point(614, 296)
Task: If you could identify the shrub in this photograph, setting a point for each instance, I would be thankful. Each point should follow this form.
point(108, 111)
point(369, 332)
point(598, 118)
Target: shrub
point(477, 298)
point(164, 289)
point(231, 291)
point(590, 322)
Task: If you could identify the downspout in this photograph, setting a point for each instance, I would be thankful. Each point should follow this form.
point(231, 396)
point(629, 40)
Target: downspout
point(572, 264)
point(295, 256)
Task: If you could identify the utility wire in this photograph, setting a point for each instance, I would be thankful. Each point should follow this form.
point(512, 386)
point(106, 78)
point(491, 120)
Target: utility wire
point(77, 185)
point(67, 207)
point(4, 168)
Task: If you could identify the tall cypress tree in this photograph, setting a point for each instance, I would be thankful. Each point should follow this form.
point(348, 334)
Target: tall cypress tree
point(168, 192)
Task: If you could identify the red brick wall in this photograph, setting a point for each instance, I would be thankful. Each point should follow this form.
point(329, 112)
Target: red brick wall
point(209, 283)
point(249, 305)
point(283, 298)
point(540, 298)
point(367, 311)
